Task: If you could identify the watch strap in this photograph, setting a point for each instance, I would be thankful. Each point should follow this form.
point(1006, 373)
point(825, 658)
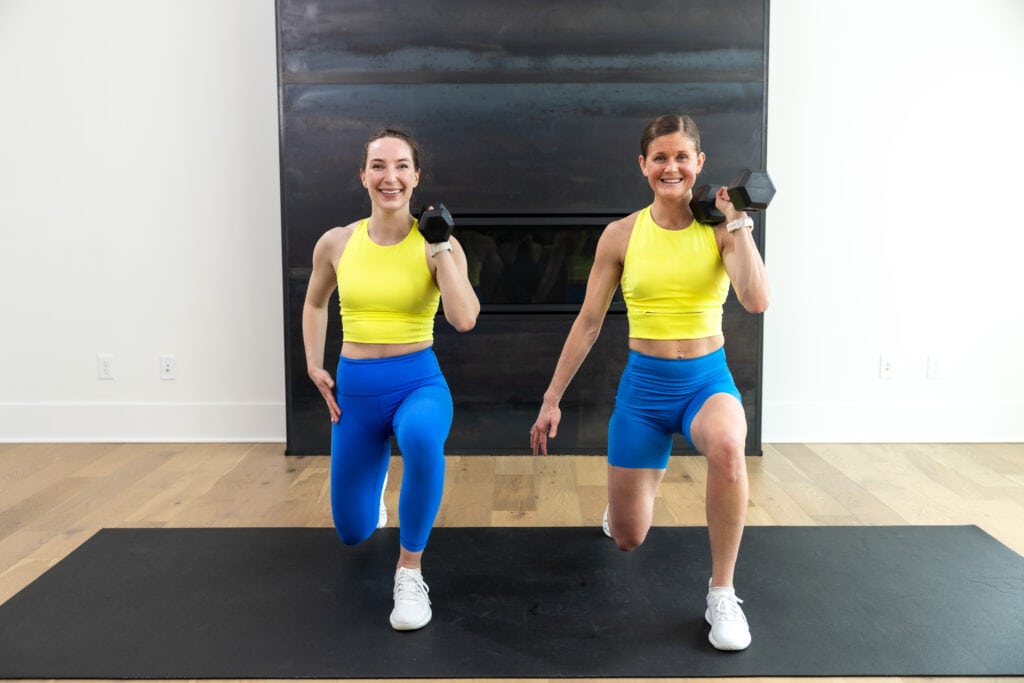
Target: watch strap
point(733, 226)
point(438, 247)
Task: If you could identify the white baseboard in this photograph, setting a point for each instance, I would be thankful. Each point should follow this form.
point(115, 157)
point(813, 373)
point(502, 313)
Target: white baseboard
point(894, 422)
point(142, 422)
point(782, 422)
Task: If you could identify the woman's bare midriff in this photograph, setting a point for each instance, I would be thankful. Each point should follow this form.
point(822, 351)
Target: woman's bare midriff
point(677, 348)
point(359, 351)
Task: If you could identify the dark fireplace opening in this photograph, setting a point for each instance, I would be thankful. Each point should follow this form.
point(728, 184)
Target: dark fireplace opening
point(531, 262)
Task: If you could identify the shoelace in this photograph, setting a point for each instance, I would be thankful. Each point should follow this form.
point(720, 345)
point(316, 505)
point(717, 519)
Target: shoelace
point(727, 608)
point(410, 587)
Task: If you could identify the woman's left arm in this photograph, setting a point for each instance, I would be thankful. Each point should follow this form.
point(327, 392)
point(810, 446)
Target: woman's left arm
point(746, 269)
point(461, 305)
point(742, 260)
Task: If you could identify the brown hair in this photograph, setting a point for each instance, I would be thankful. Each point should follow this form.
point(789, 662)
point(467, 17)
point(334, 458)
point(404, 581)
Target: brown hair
point(666, 125)
point(399, 135)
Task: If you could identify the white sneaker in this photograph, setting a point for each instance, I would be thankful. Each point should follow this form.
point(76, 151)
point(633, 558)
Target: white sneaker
point(604, 523)
point(382, 516)
point(412, 606)
point(729, 629)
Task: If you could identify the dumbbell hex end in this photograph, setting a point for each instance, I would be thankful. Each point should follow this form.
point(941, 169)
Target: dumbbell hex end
point(751, 190)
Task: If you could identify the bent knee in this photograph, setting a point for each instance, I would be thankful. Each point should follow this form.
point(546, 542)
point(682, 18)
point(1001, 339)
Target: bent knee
point(725, 442)
point(629, 541)
point(422, 451)
point(350, 535)
point(352, 539)
point(729, 465)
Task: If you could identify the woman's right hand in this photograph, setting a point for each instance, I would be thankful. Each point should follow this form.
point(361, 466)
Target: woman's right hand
point(325, 383)
point(546, 426)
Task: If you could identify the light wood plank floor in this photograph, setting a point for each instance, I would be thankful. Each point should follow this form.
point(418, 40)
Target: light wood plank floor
point(55, 496)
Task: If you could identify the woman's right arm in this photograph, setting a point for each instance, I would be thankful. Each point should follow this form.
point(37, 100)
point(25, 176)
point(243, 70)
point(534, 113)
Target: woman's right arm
point(322, 282)
point(604, 278)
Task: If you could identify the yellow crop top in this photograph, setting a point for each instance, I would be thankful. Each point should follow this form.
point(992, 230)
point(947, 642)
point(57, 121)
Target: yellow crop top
point(673, 281)
point(386, 294)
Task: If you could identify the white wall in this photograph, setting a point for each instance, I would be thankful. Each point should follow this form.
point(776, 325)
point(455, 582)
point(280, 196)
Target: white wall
point(894, 134)
point(139, 214)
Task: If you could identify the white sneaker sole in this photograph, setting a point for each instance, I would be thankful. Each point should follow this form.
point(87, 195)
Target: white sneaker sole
point(414, 626)
point(725, 647)
point(382, 515)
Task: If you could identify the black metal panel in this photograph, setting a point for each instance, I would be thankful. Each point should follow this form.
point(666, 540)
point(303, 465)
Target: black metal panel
point(528, 40)
point(529, 114)
point(521, 147)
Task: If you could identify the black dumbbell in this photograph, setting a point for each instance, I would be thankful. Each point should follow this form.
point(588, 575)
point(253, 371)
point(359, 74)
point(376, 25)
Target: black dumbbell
point(749, 191)
point(436, 224)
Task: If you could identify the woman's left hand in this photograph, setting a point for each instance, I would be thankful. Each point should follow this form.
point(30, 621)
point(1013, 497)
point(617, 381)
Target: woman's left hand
point(724, 204)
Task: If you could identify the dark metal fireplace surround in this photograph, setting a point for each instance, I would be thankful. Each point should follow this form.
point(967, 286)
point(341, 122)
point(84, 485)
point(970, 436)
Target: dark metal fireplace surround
point(529, 115)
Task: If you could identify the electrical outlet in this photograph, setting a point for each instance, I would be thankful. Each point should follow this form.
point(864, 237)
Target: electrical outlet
point(886, 367)
point(168, 367)
point(105, 366)
point(934, 367)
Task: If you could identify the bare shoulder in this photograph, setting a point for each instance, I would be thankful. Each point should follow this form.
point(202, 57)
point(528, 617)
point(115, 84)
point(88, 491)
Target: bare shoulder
point(340, 234)
point(332, 243)
point(616, 234)
point(624, 224)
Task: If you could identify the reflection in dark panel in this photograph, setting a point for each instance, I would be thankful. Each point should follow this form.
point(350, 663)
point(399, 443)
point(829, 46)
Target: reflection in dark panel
point(527, 263)
point(530, 115)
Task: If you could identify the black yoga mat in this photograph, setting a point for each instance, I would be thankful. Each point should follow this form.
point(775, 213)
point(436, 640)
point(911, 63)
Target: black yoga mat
point(518, 602)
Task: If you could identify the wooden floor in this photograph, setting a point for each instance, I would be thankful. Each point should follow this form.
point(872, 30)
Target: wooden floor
point(55, 496)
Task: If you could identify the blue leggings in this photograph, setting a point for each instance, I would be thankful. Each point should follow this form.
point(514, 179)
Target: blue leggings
point(406, 396)
point(657, 398)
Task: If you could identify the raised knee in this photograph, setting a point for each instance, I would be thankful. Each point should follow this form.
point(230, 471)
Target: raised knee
point(726, 458)
point(727, 442)
point(730, 468)
point(422, 450)
point(425, 464)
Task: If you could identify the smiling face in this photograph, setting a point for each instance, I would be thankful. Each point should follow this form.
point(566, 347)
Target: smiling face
point(390, 173)
point(671, 165)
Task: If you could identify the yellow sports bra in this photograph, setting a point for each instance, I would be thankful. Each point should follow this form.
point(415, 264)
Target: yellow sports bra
point(386, 294)
point(673, 281)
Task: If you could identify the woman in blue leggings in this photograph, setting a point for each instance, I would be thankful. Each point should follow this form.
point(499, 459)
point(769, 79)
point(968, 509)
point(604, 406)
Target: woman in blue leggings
point(390, 272)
